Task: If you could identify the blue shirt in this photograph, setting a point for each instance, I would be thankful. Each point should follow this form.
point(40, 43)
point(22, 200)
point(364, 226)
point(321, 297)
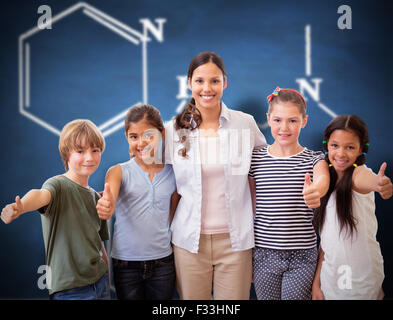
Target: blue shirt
point(141, 230)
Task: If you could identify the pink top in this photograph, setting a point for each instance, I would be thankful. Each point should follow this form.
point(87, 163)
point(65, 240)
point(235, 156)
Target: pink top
point(214, 215)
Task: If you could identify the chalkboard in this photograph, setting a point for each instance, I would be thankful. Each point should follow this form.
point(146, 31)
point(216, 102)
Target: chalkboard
point(95, 59)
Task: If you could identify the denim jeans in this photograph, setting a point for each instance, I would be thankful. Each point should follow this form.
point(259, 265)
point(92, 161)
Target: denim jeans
point(144, 280)
point(97, 291)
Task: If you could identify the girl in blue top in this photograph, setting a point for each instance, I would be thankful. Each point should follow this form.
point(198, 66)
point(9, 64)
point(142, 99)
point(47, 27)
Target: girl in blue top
point(141, 190)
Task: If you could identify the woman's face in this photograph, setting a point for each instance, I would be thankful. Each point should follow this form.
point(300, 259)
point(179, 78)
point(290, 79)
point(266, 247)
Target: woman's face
point(207, 85)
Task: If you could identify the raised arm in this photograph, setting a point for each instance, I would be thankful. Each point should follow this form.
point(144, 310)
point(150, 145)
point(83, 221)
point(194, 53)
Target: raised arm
point(365, 180)
point(106, 205)
point(314, 190)
point(32, 200)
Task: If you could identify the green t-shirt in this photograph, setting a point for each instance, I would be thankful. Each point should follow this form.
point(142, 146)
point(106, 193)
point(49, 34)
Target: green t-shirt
point(72, 234)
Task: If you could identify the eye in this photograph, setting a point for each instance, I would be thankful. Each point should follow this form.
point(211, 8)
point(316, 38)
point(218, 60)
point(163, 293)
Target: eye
point(333, 145)
point(276, 120)
point(199, 81)
point(293, 121)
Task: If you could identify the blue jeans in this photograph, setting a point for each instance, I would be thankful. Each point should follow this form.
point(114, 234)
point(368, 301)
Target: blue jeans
point(144, 280)
point(97, 291)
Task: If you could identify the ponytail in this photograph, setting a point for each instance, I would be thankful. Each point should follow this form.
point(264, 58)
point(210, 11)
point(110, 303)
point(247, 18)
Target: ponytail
point(189, 119)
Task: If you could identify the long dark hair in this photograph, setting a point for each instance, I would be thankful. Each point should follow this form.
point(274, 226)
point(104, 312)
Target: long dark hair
point(343, 187)
point(190, 118)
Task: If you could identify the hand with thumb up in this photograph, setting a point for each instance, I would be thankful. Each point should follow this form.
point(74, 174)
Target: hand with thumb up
point(105, 205)
point(384, 187)
point(12, 211)
point(311, 194)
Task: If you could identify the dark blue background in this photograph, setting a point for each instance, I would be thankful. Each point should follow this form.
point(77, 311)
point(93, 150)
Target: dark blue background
point(81, 69)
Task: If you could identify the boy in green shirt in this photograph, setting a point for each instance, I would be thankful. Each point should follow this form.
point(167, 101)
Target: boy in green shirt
point(73, 232)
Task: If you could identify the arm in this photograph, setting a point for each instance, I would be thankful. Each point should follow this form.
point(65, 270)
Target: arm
point(107, 204)
point(32, 200)
point(365, 181)
point(251, 182)
point(175, 198)
point(314, 191)
point(317, 293)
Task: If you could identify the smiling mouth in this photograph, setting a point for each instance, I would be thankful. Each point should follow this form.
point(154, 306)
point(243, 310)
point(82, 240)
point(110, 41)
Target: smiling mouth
point(207, 97)
point(340, 163)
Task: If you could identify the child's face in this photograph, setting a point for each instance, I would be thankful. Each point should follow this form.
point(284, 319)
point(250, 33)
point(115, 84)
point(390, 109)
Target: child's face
point(84, 161)
point(143, 139)
point(344, 148)
point(286, 121)
point(207, 85)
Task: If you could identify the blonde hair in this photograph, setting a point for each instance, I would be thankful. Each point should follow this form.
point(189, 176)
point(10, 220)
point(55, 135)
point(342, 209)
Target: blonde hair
point(76, 135)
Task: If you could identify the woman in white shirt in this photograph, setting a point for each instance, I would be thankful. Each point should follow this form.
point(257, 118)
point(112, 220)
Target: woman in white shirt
point(210, 148)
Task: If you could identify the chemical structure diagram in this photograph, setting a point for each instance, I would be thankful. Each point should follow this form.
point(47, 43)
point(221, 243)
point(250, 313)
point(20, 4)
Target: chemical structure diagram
point(136, 38)
point(131, 35)
point(304, 85)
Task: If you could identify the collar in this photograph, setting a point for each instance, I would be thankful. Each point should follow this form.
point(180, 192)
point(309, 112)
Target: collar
point(224, 112)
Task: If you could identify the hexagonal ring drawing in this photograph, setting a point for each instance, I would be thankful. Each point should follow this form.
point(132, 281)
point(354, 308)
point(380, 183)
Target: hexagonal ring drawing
point(131, 35)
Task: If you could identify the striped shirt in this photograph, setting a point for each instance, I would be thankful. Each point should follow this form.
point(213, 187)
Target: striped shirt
point(283, 221)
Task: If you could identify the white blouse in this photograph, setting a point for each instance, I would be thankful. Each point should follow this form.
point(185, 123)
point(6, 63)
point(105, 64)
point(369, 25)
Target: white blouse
point(239, 135)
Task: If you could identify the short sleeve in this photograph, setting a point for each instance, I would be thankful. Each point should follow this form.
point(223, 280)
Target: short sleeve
point(54, 187)
point(252, 166)
point(317, 156)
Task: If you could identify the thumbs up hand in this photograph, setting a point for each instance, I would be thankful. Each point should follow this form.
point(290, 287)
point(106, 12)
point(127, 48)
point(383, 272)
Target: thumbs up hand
point(384, 187)
point(311, 194)
point(105, 205)
point(12, 211)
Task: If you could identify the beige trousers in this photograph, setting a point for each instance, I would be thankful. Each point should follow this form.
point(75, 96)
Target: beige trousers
point(214, 269)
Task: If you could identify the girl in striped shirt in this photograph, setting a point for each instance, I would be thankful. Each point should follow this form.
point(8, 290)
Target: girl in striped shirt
point(288, 181)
